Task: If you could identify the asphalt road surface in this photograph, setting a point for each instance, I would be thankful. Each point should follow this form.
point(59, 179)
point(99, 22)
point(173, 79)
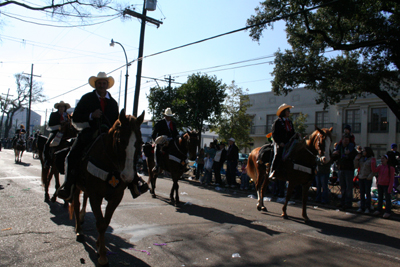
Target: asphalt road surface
point(212, 227)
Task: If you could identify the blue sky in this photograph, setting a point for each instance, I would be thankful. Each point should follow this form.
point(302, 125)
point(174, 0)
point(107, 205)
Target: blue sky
point(66, 57)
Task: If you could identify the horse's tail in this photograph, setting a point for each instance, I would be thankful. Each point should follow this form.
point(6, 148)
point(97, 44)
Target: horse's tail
point(251, 164)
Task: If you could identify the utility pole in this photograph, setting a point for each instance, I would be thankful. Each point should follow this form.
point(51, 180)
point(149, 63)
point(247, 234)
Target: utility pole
point(169, 85)
point(144, 18)
point(28, 120)
point(2, 116)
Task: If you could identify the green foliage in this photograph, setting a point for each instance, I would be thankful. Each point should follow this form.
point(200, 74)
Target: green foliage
point(367, 32)
point(234, 121)
point(195, 103)
point(299, 123)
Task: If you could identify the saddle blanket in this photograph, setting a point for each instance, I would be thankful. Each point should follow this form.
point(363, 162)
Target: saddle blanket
point(301, 168)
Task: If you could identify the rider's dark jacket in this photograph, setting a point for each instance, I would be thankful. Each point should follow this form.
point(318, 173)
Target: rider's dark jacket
point(88, 104)
point(55, 121)
point(161, 128)
point(280, 133)
point(18, 131)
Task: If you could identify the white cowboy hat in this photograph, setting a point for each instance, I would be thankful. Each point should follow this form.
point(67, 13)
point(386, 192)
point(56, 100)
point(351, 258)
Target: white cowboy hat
point(61, 103)
point(168, 112)
point(101, 75)
point(231, 139)
point(282, 108)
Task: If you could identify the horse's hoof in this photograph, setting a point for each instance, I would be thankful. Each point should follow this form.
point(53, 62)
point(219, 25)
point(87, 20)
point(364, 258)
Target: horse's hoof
point(80, 238)
point(46, 198)
point(258, 208)
point(102, 265)
point(153, 196)
point(284, 216)
point(263, 208)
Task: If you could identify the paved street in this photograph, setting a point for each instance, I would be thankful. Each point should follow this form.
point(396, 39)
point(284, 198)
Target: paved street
point(208, 229)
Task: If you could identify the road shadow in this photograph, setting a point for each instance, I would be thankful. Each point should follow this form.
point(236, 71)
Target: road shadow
point(115, 245)
point(23, 164)
point(359, 234)
point(222, 217)
point(1, 187)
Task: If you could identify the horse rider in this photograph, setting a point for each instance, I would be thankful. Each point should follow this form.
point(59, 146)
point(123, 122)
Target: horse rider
point(18, 133)
point(282, 132)
point(164, 131)
point(95, 111)
point(56, 120)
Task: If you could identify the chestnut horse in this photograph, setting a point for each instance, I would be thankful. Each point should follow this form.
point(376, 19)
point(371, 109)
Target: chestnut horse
point(55, 169)
point(177, 149)
point(104, 173)
point(19, 147)
point(303, 154)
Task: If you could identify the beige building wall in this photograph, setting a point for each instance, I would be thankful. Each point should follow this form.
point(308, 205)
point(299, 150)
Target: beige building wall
point(372, 122)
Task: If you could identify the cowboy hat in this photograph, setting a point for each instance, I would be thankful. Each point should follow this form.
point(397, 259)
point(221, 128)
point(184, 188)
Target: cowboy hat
point(231, 139)
point(168, 112)
point(282, 108)
point(61, 103)
point(101, 75)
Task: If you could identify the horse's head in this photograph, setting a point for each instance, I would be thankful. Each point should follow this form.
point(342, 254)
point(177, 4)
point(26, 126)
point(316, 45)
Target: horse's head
point(322, 140)
point(126, 143)
point(192, 141)
point(68, 129)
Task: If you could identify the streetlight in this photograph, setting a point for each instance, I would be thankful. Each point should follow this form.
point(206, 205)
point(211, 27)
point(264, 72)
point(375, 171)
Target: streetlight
point(126, 75)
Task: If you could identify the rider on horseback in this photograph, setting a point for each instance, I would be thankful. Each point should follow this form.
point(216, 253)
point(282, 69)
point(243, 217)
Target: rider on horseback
point(164, 131)
point(94, 111)
point(57, 119)
point(282, 132)
point(18, 133)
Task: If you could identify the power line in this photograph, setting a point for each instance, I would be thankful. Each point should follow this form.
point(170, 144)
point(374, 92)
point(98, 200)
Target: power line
point(214, 37)
point(60, 26)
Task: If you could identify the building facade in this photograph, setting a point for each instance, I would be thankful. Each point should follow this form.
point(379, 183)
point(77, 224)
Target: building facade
point(372, 122)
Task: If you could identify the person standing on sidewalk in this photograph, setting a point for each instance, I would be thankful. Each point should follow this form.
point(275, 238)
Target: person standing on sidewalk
point(365, 175)
point(219, 160)
point(232, 157)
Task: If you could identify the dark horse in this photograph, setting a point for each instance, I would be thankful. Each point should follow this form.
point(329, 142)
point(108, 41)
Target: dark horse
point(55, 169)
point(177, 148)
point(19, 147)
point(299, 168)
point(104, 173)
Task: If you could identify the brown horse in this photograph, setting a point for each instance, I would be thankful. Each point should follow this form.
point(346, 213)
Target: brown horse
point(104, 173)
point(55, 169)
point(19, 147)
point(177, 149)
point(302, 157)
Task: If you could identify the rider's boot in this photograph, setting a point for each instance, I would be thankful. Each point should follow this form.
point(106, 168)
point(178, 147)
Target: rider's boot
point(66, 190)
point(138, 186)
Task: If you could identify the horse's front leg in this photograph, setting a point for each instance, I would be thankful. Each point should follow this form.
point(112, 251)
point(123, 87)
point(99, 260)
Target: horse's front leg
point(260, 181)
point(78, 228)
point(305, 198)
point(82, 212)
point(152, 177)
point(288, 196)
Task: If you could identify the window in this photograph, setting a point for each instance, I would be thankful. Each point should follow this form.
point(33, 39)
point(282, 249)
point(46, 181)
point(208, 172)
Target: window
point(322, 119)
point(270, 121)
point(353, 119)
point(379, 150)
point(379, 123)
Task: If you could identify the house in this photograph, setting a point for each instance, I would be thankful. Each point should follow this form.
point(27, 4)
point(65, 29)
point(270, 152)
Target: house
point(372, 122)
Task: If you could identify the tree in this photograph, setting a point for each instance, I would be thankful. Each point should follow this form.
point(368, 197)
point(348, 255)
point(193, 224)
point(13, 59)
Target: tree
point(299, 123)
point(235, 122)
point(21, 100)
point(197, 103)
point(366, 32)
point(159, 99)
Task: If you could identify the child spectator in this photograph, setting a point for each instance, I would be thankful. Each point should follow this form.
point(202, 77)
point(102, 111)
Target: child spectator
point(322, 178)
point(385, 184)
point(347, 132)
point(365, 175)
point(244, 178)
point(200, 164)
